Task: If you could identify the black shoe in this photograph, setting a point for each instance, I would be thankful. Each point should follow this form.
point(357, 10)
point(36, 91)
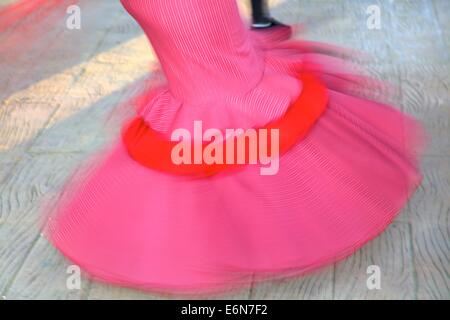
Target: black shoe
point(268, 22)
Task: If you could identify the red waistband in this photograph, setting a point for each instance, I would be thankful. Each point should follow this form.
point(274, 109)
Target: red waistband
point(150, 149)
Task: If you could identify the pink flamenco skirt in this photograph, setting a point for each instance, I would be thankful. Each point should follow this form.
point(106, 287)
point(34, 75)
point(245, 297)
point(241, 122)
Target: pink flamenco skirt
point(347, 165)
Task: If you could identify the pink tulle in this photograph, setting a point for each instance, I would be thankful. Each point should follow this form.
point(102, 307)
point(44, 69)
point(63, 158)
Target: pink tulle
point(336, 189)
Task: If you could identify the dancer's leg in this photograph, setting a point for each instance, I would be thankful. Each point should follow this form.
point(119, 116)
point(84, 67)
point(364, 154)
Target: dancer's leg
point(261, 17)
point(259, 10)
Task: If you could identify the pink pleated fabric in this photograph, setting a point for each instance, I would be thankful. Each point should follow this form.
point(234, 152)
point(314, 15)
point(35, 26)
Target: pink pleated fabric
point(336, 189)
